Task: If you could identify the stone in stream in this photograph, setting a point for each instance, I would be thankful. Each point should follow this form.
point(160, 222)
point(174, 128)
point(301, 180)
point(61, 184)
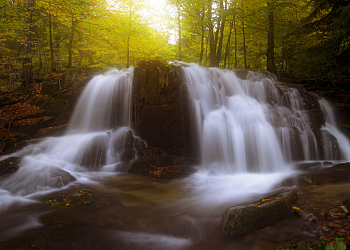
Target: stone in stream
point(9, 166)
point(94, 156)
point(246, 218)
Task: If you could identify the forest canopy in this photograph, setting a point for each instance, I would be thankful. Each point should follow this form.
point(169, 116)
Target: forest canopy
point(304, 39)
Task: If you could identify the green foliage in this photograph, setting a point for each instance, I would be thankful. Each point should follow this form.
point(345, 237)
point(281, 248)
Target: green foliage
point(328, 57)
point(82, 198)
point(339, 245)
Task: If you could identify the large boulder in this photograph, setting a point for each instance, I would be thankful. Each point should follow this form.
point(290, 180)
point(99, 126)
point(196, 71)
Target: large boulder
point(242, 219)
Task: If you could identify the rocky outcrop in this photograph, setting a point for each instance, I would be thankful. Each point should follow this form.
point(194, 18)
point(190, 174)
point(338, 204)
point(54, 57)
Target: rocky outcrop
point(242, 219)
point(161, 109)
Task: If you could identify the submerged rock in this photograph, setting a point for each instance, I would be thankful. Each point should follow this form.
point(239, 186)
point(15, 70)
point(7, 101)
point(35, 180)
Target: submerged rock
point(242, 219)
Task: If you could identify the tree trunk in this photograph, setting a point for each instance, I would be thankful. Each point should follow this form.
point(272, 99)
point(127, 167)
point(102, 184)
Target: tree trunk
point(70, 50)
point(244, 46)
point(228, 45)
point(270, 54)
point(41, 45)
point(235, 29)
point(51, 44)
point(27, 57)
point(202, 35)
point(128, 41)
point(179, 24)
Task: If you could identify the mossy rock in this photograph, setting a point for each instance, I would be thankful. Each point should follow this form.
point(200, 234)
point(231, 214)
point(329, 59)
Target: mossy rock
point(246, 218)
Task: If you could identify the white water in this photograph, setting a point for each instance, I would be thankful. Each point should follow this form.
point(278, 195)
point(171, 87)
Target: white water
point(330, 150)
point(248, 125)
point(246, 130)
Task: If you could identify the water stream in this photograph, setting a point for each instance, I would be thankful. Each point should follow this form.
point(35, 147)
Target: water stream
point(248, 131)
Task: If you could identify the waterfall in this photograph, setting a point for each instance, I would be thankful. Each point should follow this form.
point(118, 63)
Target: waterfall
point(254, 124)
point(105, 103)
point(333, 147)
point(95, 141)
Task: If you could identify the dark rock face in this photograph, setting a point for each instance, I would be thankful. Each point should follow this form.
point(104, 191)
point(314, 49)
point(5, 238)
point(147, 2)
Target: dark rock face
point(241, 219)
point(162, 114)
point(9, 166)
point(154, 162)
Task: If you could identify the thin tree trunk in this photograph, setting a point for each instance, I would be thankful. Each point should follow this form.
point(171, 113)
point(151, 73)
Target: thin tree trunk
point(244, 47)
point(41, 45)
point(70, 50)
point(202, 35)
point(227, 52)
point(128, 41)
point(51, 44)
point(179, 24)
point(270, 54)
point(235, 29)
point(27, 57)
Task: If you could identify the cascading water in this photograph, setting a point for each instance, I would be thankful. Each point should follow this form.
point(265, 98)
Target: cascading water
point(256, 124)
point(89, 144)
point(249, 132)
point(330, 147)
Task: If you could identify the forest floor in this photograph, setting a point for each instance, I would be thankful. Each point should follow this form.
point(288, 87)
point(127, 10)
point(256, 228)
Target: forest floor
point(32, 115)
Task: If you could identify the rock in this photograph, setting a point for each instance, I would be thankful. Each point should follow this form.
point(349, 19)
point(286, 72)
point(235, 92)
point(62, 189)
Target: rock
point(58, 178)
point(141, 166)
point(154, 162)
point(161, 108)
point(94, 156)
point(307, 166)
point(241, 219)
point(344, 209)
point(327, 163)
point(9, 166)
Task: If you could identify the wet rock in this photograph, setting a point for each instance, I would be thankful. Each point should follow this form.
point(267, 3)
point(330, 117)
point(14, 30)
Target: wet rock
point(241, 219)
point(57, 178)
point(9, 166)
point(327, 163)
point(336, 174)
point(154, 162)
point(162, 111)
point(307, 166)
point(141, 166)
point(94, 155)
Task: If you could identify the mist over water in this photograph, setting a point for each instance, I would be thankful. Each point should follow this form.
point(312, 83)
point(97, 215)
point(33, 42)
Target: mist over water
point(248, 132)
